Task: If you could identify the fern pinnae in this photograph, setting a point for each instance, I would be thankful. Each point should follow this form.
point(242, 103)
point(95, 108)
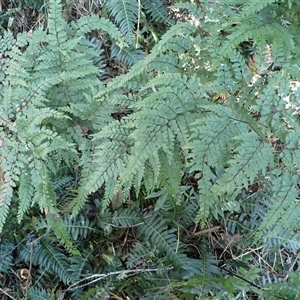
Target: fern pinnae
point(139, 67)
point(36, 293)
point(158, 11)
point(125, 14)
point(10, 172)
point(252, 7)
point(163, 238)
point(126, 218)
point(88, 23)
point(128, 56)
point(26, 191)
point(6, 251)
point(54, 259)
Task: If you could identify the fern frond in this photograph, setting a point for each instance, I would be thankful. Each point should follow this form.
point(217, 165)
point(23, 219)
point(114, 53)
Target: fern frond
point(126, 218)
point(88, 23)
point(78, 228)
point(181, 29)
point(284, 289)
point(10, 177)
point(79, 265)
point(284, 210)
point(26, 192)
point(217, 129)
point(245, 166)
point(253, 7)
point(156, 231)
point(192, 8)
point(114, 155)
point(125, 15)
point(61, 233)
point(56, 25)
point(157, 11)
point(34, 293)
point(127, 56)
point(6, 255)
point(48, 257)
point(171, 207)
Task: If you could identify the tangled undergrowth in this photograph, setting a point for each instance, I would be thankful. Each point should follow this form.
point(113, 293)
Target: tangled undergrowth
point(149, 150)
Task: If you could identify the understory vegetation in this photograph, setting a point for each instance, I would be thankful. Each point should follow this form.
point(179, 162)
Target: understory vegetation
point(149, 149)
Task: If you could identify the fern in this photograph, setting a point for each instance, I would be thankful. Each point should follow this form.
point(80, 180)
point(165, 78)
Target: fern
point(46, 256)
point(46, 72)
point(128, 56)
point(253, 7)
point(37, 294)
point(125, 14)
point(176, 129)
point(6, 255)
point(157, 11)
point(61, 233)
point(78, 228)
point(212, 137)
point(126, 218)
point(163, 239)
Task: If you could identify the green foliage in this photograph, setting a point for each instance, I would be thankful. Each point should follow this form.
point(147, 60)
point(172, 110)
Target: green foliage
point(36, 93)
point(223, 141)
point(140, 23)
point(177, 179)
point(125, 14)
point(6, 256)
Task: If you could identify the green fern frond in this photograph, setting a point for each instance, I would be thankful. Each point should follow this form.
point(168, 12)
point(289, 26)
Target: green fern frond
point(253, 7)
point(78, 228)
point(125, 15)
point(77, 263)
point(56, 25)
point(48, 257)
point(192, 8)
point(245, 166)
point(6, 255)
point(181, 29)
point(88, 23)
point(284, 210)
point(127, 56)
point(214, 141)
point(26, 192)
point(63, 182)
point(34, 293)
point(61, 233)
point(44, 192)
point(156, 231)
point(171, 207)
point(139, 253)
point(113, 154)
point(157, 11)
point(126, 217)
point(285, 289)
point(10, 176)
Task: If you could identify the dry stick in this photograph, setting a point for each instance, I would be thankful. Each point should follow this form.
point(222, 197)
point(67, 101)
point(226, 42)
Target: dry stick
point(97, 277)
point(177, 243)
point(6, 294)
point(208, 230)
point(138, 24)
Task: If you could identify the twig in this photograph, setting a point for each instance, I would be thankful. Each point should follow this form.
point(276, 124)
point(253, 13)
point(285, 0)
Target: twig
point(8, 295)
point(97, 277)
point(208, 230)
